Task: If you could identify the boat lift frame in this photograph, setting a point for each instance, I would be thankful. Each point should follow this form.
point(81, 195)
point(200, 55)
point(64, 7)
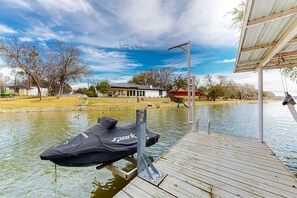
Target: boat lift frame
point(145, 168)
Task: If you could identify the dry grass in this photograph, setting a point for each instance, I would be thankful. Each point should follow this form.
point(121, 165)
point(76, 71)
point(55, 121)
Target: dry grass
point(125, 104)
point(34, 102)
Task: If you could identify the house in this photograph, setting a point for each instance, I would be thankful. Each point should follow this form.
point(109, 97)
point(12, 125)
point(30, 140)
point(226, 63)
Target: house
point(24, 90)
point(182, 93)
point(128, 90)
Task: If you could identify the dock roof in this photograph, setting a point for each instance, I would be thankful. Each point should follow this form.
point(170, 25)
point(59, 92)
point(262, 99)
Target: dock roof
point(268, 36)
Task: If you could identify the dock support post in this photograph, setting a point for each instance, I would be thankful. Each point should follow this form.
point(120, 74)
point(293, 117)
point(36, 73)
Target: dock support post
point(145, 169)
point(260, 105)
point(189, 81)
point(193, 103)
point(197, 125)
point(140, 138)
point(208, 126)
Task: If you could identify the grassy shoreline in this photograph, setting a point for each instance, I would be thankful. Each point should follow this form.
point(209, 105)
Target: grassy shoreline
point(73, 103)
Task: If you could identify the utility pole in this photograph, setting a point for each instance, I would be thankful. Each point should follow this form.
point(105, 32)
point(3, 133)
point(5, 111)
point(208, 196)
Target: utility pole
point(188, 52)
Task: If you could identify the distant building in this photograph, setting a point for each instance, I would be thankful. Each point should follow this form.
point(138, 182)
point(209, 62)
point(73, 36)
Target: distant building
point(24, 90)
point(127, 90)
point(182, 93)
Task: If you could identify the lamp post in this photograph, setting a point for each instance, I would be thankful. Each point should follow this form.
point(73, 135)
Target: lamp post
point(188, 52)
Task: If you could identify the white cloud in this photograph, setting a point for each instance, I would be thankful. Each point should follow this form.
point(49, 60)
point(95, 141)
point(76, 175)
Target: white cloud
point(43, 32)
point(6, 71)
point(66, 5)
point(123, 79)
point(207, 23)
point(232, 60)
point(180, 73)
point(135, 24)
point(6, 30)
point(18, 3)
point(78, 85)
point(107, 61)
point(26, 39)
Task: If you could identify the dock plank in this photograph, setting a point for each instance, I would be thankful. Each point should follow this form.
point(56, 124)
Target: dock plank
point(217, 165)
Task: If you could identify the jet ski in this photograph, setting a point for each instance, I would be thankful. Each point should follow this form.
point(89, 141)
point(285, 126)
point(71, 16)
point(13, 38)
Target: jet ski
point(101, 144)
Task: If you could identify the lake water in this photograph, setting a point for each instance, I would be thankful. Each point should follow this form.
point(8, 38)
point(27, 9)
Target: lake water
point(23, 136)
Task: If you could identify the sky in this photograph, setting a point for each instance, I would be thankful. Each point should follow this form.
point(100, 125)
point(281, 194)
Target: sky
point(119, 39)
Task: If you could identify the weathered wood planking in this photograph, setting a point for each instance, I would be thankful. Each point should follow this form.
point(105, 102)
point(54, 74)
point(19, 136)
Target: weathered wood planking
point(217, 165)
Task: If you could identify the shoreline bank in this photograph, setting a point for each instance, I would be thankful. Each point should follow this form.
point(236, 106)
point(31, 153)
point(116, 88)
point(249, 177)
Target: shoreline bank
point(120, 106)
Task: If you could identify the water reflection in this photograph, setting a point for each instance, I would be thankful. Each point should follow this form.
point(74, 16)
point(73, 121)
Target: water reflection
point(113, 185)
point(23, 136)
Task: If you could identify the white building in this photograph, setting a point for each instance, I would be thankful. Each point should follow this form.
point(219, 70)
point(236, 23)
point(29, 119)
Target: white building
point(126, 90)
point(23, 90)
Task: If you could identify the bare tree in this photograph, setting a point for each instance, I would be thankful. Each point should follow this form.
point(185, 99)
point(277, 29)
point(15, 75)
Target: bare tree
point(51, 71)
point(222, 80)
point(208, 81)
point(67, 64)
point(159, 77)
point(21, 55)
point(180, 82)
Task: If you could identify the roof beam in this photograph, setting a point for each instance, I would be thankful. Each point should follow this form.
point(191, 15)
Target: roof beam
point(243, 31)
point(247, 49)
point(282, 54)
point(289, 34)
point(268, 66)
point(272, 17)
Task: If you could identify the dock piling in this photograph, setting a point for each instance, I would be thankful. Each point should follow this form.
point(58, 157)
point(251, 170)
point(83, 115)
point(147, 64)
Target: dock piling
point(197, 125)
point(208, 128)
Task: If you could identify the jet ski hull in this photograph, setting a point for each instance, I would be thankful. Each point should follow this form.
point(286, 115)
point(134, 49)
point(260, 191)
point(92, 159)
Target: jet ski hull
point(97, 145)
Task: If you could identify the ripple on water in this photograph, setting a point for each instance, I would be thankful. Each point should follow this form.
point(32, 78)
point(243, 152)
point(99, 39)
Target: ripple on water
point(23, 138)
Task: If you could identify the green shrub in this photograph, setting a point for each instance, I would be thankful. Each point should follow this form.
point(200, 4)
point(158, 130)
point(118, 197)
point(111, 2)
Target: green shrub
point(7, 94)
point(103, 87)
point(91, 94)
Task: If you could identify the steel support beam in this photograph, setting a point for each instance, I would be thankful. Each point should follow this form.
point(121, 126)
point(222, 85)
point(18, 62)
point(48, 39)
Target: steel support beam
point(260, 105)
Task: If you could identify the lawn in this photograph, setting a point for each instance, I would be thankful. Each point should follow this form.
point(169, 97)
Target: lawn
point(34, 102)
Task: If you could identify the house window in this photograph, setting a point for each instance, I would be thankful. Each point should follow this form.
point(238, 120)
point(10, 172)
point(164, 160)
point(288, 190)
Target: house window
point(133, 92)
point(160, 92)
point(143, 93)
point(128, 93)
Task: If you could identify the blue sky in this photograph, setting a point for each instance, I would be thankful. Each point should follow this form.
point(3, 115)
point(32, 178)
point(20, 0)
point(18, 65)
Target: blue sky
point(121, 38)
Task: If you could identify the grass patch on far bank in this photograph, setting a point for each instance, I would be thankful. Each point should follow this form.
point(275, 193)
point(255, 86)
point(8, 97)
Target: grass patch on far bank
point(34, 102)
point(118, 104)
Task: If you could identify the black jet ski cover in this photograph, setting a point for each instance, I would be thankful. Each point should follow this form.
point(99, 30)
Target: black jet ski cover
point(102, 143)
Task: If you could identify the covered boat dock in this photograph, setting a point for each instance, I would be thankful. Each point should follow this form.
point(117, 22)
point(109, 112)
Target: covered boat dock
point(217, 165)
point(220, 165)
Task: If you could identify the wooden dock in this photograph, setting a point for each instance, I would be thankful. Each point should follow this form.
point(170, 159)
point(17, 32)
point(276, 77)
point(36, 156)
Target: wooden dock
point(217, 165)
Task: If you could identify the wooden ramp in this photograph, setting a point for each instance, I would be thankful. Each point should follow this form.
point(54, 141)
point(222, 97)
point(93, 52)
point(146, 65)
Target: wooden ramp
point(217, 165)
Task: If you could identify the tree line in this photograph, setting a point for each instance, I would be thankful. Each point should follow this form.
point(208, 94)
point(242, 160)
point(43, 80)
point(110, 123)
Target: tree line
point(209, 87)
point(52, 66)
point(102, 87)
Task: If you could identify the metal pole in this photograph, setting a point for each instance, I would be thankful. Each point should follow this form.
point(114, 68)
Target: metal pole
point(197, 125)
point(193, 103)
point(260, 105)
point(139, 141)
point(208, 124)
point(189, 81)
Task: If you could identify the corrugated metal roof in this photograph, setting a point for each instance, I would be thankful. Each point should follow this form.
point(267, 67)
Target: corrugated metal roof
point(266, 25)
